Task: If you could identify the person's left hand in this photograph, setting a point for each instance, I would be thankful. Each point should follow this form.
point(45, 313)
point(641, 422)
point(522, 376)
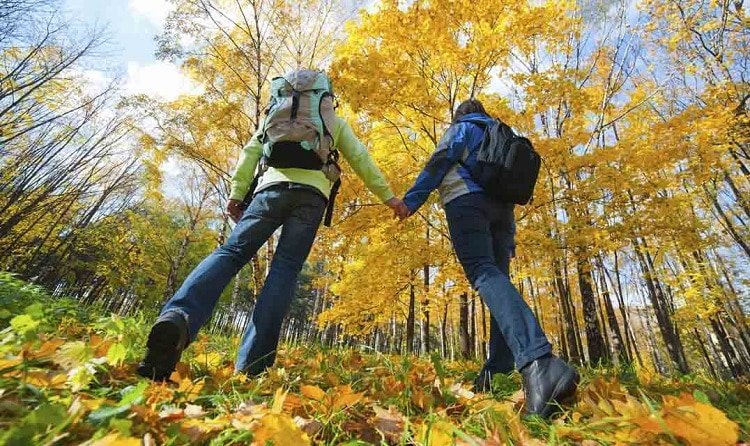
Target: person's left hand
point(234, 210)
point(399, 208)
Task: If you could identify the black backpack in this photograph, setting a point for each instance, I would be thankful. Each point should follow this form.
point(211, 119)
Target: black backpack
point(507, 165)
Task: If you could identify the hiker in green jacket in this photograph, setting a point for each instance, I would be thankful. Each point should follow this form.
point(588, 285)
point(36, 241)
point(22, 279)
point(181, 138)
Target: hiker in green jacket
point(295, 151)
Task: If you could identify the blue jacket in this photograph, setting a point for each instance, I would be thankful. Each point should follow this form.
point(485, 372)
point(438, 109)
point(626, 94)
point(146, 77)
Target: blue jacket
point(443, 171)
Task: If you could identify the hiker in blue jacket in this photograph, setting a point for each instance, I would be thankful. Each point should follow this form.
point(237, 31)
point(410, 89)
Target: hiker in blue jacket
point(482, 231)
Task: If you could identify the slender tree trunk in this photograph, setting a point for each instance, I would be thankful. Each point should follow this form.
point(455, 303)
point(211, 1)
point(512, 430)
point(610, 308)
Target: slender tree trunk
point(410, 321)
point(661, 310)
point(463, 325)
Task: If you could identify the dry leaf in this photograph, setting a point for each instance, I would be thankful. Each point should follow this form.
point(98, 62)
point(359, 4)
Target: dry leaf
point(344, 396)
point(198, 429)
point(171, 413)
point(310, 427)
point(45, 350)
point(697, 423)
point(312, 392)
point(194, 411)
point(461, 392)
point(389, 422)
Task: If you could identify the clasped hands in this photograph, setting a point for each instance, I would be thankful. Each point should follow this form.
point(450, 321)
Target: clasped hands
point(400, 210)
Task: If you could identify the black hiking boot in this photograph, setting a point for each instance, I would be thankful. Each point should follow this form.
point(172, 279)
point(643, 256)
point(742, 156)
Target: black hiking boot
point(167, 339)
point(548, 382)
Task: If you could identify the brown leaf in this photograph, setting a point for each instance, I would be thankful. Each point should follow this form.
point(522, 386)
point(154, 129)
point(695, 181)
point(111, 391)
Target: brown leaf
point(292, 404)
point(389, 422)
point(310, 427)
point(181, 372)
point(422, 399)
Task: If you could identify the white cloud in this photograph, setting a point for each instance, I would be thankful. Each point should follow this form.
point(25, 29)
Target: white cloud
point(160, 79)
point(154, 11)
point(96, 80)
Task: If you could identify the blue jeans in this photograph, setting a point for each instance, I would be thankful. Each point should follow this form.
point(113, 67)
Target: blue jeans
point(298, 209)
point(482, 233)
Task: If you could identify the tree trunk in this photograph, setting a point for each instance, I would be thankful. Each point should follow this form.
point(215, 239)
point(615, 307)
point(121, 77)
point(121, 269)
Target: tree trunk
point(410, 321)
point(594, 340)
point(463, 325)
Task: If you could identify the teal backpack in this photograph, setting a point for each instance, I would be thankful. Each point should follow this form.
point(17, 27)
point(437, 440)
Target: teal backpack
point(297, 128)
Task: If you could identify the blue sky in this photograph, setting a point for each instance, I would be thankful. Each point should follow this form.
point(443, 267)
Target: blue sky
point(132, 32)
point(131, 26)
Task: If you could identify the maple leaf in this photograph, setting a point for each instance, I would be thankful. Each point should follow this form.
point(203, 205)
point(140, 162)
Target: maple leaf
point(697, 423)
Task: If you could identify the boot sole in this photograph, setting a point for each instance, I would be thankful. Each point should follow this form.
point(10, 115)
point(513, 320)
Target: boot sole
point(564, 393)
point(162, 351)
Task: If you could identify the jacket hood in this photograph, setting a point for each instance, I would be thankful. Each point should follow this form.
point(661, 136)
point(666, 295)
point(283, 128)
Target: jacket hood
point(484, 119)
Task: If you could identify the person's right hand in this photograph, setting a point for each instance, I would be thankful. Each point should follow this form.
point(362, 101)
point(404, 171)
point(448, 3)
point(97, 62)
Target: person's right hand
point(234, 210)
point(399, 208)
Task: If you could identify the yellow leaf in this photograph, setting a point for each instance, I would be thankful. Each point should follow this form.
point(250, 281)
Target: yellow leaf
point(116, 354)
point(697, 423)
point(278, 401)
point(197, 429)
point(439, 433)
point(45, 381)
point(280, 430)
point(6, 364)
point(191, 390)
point(114, 440)
point(210, 360)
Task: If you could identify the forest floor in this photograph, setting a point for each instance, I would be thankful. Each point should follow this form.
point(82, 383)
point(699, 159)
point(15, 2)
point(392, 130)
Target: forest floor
point(67, 377)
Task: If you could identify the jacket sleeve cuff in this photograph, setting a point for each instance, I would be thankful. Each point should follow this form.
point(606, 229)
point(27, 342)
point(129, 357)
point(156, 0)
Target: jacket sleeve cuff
point(386, 195)
point(237, 194)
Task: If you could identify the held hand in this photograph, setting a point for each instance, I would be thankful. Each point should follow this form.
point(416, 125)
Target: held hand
point(399, 208)
point(234, 210)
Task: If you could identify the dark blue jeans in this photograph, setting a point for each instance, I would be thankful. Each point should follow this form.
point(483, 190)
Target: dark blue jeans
point(482, 233)
point(298, 209)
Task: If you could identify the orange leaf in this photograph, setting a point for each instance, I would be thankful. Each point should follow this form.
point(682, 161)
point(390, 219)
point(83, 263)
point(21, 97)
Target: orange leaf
point(312, 392)
point(47, 349)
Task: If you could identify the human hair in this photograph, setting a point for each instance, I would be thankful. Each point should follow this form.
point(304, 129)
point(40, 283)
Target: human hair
point(468, 106)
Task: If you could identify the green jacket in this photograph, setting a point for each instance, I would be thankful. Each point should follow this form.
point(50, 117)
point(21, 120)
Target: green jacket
point(343, 139)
